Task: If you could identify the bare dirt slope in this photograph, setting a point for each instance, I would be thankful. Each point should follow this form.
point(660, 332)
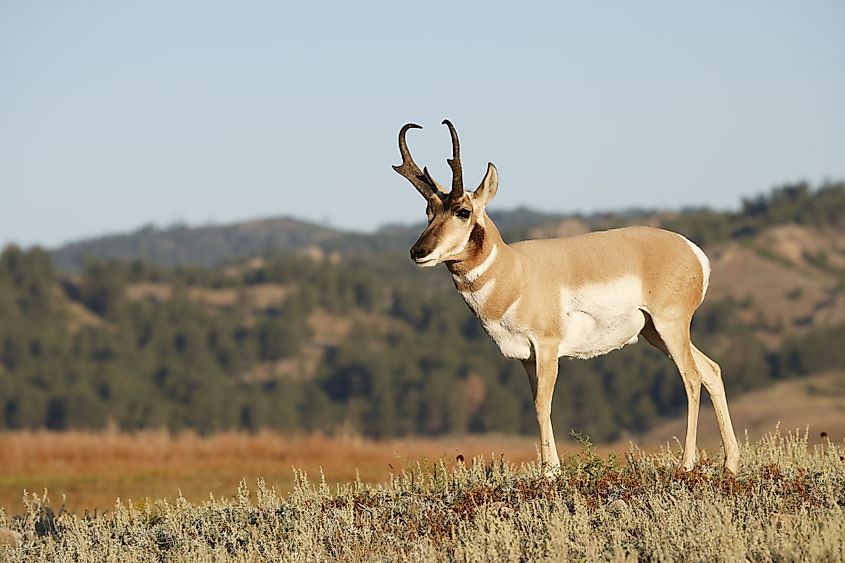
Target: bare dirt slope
point(817, 401)
point(789, 277)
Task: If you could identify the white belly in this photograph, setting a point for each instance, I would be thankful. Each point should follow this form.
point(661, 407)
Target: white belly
point(600, 318)
point(587, 336)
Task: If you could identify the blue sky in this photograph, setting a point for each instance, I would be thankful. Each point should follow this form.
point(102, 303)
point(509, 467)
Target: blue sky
point(118, 114)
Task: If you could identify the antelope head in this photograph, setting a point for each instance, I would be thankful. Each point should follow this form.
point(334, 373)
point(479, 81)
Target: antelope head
point(455, 217)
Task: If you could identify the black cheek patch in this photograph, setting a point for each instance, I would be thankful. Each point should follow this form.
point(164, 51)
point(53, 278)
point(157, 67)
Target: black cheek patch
point(476, 237)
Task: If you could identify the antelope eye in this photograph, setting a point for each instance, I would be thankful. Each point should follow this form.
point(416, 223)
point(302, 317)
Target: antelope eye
point(464, 213)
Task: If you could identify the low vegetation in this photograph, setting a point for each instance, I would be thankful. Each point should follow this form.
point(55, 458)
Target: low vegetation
point(787, 503)
point(86, 471)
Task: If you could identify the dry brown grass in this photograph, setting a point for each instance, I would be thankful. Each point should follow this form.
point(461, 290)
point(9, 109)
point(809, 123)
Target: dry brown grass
point(795, 243)
point(329, 329)
point(91, 470)
point(786, 295)
point(258, 296)
point(787, 504)
point(266, 295)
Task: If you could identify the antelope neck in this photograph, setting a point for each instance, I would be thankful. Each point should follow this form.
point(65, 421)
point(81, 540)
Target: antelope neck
point(484, 249)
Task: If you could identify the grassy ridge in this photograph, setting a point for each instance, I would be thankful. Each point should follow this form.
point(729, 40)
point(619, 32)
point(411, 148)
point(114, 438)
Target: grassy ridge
point(788, 503)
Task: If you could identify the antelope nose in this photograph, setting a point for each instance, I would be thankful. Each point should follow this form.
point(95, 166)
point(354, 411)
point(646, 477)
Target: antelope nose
point(417, 252)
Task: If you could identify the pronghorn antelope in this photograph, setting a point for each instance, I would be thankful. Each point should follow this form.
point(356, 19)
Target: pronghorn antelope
point(577, 297)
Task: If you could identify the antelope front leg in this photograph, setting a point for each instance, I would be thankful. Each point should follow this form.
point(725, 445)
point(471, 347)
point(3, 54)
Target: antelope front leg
point(542, 374)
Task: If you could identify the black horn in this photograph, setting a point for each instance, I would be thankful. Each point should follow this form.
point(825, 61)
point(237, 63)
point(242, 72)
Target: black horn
point(455, 162)
point(409, 169)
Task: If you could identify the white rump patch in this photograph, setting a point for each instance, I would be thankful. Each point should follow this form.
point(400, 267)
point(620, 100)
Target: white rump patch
point(705, 265)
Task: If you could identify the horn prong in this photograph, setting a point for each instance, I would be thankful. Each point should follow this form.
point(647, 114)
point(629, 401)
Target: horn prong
point(455, 162)
point(409, 169)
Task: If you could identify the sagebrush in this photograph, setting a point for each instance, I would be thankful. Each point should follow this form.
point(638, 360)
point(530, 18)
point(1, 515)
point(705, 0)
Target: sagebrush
point(787, 504)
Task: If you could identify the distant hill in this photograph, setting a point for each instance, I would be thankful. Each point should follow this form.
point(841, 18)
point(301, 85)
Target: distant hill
point(308, 328)
point(198, 246)
point(213, 245)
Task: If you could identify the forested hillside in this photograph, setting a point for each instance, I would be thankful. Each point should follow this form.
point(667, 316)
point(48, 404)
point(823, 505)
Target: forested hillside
point(212, 245)
point(342, 334)
point(215, 245)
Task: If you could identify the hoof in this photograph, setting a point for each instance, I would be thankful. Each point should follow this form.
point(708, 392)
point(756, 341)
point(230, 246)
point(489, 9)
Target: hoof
point(685, 467)
point(551, 471)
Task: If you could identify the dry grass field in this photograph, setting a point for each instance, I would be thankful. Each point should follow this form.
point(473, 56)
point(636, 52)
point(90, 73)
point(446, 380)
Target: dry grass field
point(88, 471)
point(155, 496)
point(786, 504)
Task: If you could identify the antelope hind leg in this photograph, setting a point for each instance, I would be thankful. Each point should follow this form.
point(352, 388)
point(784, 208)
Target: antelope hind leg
point(711, 376)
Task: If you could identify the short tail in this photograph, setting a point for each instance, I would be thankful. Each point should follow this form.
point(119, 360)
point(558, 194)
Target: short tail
point(705, 266)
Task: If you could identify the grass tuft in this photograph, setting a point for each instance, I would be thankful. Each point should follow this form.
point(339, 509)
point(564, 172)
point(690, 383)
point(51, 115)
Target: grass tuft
point(788, 503)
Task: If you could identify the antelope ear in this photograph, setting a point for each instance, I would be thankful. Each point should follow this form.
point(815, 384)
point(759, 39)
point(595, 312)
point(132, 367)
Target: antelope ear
point(487, 189)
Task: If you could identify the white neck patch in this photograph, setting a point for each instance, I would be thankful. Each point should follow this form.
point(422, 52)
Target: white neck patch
point(476, 299)
point(479, 270)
